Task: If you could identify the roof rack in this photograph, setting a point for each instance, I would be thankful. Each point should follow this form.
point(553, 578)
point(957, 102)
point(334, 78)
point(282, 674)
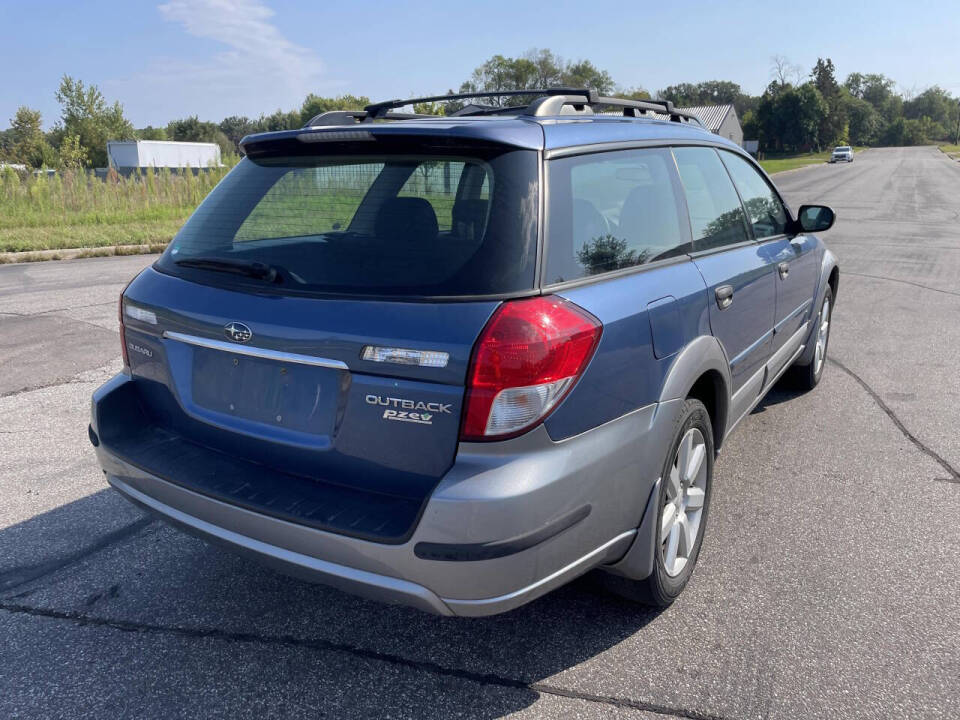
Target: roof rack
point(553, 105)
point(547, 102)
point(349, 117)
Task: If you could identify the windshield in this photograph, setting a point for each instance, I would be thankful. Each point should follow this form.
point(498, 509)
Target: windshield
point(419, 224)
point(842, 150)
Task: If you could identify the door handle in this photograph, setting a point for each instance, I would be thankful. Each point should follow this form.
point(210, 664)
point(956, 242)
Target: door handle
point(724, 295)
point(784, 269)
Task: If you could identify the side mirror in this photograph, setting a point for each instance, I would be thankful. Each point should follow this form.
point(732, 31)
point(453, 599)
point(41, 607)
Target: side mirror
point(814, 218)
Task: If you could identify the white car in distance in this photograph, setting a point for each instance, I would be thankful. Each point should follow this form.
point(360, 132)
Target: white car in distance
point(843, 153)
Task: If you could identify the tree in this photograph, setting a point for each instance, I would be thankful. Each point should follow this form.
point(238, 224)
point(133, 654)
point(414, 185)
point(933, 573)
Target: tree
point(895, 133)
point(535, 70)
point(86, 114)
point(788, 117)
point(921, 131)
point(313, 105)
point(863, 121)
point(279, 120)
point(237, 127)
point(151, 133)
point(607, 252)
point(910, 131)
point(876, 89)
point(508, 74)
point(192, 129)
point(832, 127)
point(934, 103)
point(73, 156)
point(27, 144)
point(637, 93)
point(710, 92)
point(785, 72)
point(584, 74)
point(429, 108)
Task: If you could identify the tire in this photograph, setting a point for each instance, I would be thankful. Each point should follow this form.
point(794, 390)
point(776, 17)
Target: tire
point(670, 577)
point(807, 377)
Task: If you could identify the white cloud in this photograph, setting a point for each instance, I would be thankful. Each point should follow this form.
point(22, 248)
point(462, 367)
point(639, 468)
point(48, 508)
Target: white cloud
point(251, 68)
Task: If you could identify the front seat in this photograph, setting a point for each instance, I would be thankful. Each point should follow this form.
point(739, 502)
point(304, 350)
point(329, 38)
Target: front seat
point(648, 220)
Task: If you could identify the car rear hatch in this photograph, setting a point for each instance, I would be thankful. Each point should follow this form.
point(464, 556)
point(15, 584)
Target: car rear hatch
point(301, 348)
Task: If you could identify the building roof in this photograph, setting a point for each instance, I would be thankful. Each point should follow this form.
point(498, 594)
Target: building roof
point(712, 116)
point(168, 143)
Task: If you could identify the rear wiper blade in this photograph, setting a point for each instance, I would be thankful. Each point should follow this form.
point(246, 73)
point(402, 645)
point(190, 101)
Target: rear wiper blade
point(251, 268)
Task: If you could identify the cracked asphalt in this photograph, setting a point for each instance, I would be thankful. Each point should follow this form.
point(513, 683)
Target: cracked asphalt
point(827, 586)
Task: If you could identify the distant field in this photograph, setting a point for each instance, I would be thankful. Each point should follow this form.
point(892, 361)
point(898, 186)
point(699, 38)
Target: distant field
point(76, 211)
point(777, 164)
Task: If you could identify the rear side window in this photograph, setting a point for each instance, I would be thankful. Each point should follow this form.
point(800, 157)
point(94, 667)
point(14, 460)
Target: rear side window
point(611, 211)
point(396, 224)
point(716, 216)
point(764, 208)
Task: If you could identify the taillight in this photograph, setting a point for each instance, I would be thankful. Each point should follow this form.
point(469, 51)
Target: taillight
point(123, 335)
point(528, 357)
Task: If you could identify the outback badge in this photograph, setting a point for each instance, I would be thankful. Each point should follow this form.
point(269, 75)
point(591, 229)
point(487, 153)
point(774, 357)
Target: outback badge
point(422, 412)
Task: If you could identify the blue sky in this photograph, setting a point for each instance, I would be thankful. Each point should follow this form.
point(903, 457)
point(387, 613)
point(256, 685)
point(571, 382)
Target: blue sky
point(214, 58)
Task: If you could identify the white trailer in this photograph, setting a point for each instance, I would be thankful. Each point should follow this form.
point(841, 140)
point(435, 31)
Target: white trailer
point(127, 154)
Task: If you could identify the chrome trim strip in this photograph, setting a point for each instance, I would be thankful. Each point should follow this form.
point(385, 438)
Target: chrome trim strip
point(256, 352)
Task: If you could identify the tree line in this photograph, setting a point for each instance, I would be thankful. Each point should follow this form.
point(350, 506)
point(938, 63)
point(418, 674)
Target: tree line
point(796, 111)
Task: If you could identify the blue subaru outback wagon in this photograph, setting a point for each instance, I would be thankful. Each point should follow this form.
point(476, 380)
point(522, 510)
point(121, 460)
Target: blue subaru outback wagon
point(455, 362)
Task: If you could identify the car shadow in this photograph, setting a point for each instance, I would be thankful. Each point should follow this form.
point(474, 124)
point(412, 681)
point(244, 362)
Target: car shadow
point(139, 572)
point(783, 391)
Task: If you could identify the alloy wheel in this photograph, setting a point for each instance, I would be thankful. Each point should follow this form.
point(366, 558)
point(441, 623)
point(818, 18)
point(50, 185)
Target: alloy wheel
point(683, 507)
point(822, 334)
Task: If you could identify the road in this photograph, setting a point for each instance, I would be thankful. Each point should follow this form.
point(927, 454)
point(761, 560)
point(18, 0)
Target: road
point(827, 585)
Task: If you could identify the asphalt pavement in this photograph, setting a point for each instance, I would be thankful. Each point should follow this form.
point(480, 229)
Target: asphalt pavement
point(827, 586)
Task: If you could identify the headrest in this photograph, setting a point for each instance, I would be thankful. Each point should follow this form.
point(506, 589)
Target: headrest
point(406, 218)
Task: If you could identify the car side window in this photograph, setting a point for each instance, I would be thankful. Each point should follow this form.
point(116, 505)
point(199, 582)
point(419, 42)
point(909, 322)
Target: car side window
point(764, 207)
point(716, 215)
point(610, 211)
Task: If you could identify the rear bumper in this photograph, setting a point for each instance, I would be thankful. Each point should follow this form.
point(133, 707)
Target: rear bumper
point(508, 522)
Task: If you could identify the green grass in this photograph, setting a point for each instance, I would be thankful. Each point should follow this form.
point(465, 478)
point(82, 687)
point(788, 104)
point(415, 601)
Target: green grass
point(779, 163)
point(952, 151)
point(77, 211)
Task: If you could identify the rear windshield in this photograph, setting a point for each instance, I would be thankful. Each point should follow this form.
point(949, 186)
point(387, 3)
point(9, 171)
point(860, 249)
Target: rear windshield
point(393, 224)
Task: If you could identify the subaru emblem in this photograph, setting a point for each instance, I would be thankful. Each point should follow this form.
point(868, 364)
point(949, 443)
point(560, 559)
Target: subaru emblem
point(237, 331)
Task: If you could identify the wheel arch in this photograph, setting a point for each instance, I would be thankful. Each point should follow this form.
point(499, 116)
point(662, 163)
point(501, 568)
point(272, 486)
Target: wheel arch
point(834, 281)
point(701, 371)
point(829, 278)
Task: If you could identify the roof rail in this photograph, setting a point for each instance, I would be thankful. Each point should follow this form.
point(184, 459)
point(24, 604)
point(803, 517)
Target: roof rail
point(378, 110)
point(548, 102)
point(349, 117)
point(553, 105)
